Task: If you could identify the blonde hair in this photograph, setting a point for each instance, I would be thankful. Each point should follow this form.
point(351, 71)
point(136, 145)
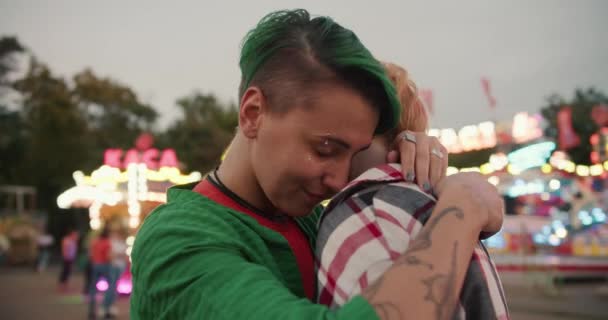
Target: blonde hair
point(413, 114)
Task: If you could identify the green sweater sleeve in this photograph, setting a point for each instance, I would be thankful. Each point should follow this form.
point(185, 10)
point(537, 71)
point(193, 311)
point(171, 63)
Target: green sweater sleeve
point(182, 271)
point(232, 288)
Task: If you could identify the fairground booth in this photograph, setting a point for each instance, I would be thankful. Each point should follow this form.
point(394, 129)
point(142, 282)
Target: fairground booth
point(125, 189)
point(554, 206)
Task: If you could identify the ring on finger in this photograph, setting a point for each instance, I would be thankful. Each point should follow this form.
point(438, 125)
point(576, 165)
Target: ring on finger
point(437, 153)
point(408, 136)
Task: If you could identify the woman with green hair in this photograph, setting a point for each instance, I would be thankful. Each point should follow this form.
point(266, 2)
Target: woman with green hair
point(238, 244)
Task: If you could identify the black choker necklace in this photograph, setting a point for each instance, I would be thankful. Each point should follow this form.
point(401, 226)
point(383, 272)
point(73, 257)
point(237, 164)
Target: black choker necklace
point(214, 179)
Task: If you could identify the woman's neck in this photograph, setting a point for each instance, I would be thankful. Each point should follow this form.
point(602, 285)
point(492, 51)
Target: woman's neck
point(238, 176)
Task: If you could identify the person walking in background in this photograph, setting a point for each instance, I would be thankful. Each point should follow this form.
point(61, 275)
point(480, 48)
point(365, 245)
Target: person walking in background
point(5, 246)
point(118, 264)
point(87, 266)
point(44, 241)
point(69, 250)
point(100, 256)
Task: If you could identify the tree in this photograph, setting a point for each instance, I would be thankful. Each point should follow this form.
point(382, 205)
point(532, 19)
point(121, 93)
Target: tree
point(203, 132)
point(54, 146)
point(12, 145)
point(8, 47)
point(582, 103)
point(58, 128)
point(12, 131)
point(54, 130)
point(115, 115)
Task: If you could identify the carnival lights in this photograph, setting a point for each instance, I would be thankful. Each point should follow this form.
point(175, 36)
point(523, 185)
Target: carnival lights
point(471, 137)
point(565, 166)
point(109, 185)
point(554, 184)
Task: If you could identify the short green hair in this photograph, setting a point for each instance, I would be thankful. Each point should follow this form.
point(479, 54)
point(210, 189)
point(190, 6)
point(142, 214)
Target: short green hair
point(288, 48)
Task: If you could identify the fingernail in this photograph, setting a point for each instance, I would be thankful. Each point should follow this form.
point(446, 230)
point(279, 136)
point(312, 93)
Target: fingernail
point(410, 176)
point(427, 187)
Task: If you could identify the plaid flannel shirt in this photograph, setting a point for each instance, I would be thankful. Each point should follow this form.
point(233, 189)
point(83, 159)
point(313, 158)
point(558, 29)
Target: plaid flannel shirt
point(370, 223)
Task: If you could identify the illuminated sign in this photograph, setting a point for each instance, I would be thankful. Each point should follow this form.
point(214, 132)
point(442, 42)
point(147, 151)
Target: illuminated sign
point(146, 175)
point(114, 158)
point(468, 138)
point(526, 127)
point(521, 188)
point(531, 156)
point(599, 143)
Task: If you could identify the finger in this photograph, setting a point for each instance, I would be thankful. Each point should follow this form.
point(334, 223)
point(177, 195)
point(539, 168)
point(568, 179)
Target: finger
point(445, 159)
point(392, 156)
point(496, 217)
point(407, 154)
point(422, 164)
point(436, 164)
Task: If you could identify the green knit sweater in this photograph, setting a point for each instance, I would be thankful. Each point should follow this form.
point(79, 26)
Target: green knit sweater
point(196, 259)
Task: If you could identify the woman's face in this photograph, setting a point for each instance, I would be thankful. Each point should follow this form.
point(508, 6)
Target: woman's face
point(303, 156)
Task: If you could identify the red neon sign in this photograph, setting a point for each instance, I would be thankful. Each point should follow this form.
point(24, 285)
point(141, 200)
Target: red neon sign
point(150, 157)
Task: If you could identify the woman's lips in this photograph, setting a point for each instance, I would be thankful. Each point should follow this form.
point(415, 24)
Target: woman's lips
point(316, 197)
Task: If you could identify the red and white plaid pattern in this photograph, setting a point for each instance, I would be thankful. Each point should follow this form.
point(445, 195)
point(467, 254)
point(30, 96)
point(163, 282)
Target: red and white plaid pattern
point(370, 223)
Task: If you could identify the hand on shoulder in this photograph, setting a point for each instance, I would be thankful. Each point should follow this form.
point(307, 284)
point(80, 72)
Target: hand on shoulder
point(472, 191)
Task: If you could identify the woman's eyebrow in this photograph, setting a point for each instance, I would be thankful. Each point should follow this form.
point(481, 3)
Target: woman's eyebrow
point(341, 142)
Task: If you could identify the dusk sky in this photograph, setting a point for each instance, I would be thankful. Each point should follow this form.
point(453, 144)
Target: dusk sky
point(168, 49)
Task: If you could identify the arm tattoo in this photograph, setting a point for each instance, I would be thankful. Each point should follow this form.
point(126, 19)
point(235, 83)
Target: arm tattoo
point(413, 260)
point(440, 287)
point(423, 240)
point(387, 311)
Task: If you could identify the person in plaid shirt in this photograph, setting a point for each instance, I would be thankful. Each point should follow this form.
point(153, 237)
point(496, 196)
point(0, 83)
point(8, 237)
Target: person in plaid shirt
point(373, 221)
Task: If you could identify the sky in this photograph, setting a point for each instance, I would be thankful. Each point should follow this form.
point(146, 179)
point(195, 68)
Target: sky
point(165, 50)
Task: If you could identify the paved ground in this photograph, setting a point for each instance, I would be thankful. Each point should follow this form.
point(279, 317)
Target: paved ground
point(28, 295)
point(560, 303)
point(25, 295)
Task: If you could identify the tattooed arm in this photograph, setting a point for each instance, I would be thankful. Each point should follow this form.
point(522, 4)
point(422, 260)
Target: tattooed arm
point(425, 282)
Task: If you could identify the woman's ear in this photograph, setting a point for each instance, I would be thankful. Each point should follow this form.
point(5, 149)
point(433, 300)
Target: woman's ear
point(251, 111)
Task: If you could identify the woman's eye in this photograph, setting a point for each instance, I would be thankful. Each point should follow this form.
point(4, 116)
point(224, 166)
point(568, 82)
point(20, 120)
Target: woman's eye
point(324, 149)
point(324, 153)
